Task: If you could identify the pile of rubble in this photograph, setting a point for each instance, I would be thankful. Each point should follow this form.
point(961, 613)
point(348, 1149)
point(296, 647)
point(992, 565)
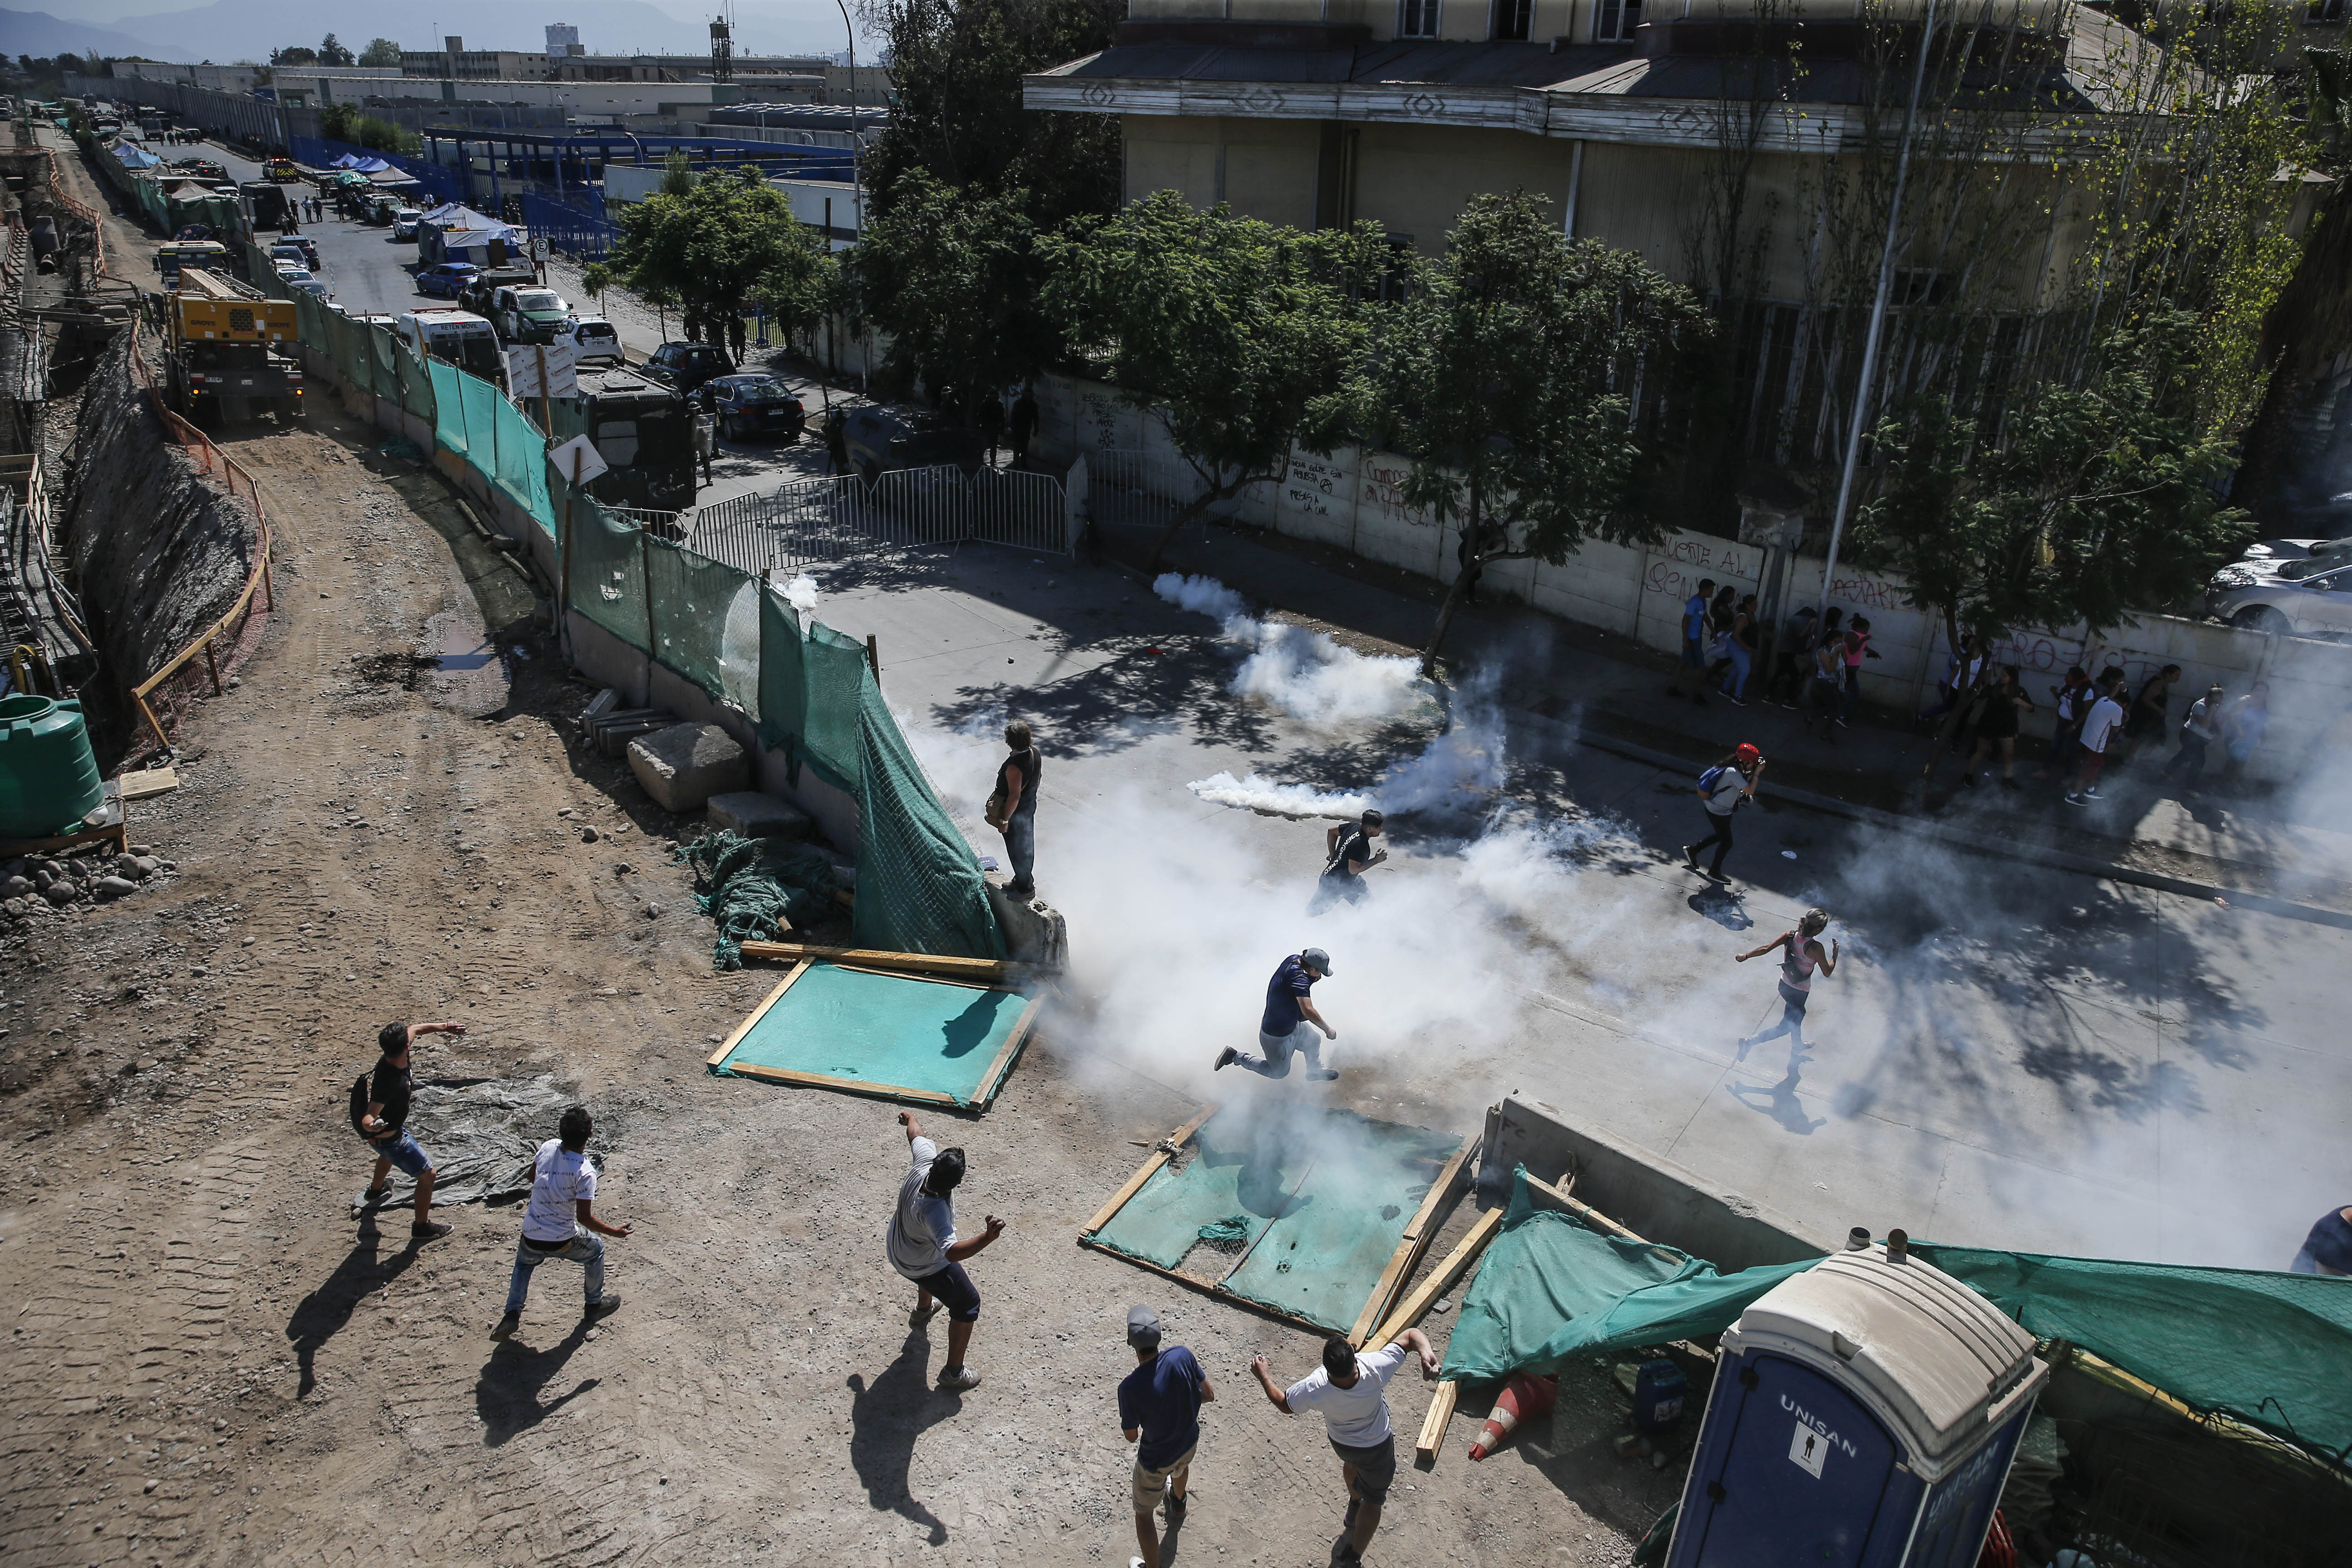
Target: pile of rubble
point(42, 884)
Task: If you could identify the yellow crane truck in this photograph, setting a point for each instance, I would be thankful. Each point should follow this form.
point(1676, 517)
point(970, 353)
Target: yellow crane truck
point(228, 359)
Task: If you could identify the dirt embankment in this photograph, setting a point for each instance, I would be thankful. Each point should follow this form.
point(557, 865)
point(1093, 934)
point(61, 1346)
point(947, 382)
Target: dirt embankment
point(158, 552)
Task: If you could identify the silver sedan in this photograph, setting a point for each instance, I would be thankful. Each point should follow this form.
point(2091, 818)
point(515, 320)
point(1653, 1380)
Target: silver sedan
point(2315, 604)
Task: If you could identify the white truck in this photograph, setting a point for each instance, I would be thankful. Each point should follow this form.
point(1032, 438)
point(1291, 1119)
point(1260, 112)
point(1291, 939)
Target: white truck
point(454, 337)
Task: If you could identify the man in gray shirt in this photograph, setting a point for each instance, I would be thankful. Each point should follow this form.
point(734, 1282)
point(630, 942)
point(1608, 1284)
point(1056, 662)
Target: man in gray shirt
point(923, 1247)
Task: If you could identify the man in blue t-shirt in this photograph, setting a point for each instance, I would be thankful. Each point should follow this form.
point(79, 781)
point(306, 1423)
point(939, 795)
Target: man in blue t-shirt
point(1160, 1404)
point(1694, 654)
point(1290, 1021)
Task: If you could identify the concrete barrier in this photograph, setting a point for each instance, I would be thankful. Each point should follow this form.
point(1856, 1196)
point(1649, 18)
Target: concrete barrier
point(1644, 1192)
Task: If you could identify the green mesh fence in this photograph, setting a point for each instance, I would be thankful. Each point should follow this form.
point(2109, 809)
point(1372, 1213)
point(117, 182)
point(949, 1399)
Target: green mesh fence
point(833, 673)
point(415, 381)
point(919, 884)
point(783, 687)
point(608, 574)
point(448, 406)
point(692, 597)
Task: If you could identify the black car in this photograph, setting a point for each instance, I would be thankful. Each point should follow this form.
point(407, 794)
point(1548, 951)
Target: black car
point(878, 438)
point(683, 367)
point(755, 407)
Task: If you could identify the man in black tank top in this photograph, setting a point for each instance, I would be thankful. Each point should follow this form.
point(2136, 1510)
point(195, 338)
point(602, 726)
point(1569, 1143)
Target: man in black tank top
point(1016, 786)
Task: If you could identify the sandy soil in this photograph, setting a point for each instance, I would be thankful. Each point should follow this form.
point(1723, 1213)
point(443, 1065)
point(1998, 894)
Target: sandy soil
point(209, 1360)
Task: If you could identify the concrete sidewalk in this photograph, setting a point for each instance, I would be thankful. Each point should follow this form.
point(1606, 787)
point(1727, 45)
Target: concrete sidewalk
point(1613, 692)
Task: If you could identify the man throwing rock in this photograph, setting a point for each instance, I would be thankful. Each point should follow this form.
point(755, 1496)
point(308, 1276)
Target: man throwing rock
point(385, 1124)
point(561, 1221)
point(1159, 1411)
point(1350, 1393)
point(1290, 1021)
point(924, 1248)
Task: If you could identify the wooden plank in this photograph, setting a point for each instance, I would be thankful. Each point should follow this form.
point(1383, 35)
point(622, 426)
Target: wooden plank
point(1433, 1425)
point(877, 958)
point(1418, 1233)
point(853, 1085)
point(925, 979)
point(993, 1079)
point(149, 781)
point(1144, 1172)
point(1208, 1287)
point(1457, 1262)
point(758, 1013)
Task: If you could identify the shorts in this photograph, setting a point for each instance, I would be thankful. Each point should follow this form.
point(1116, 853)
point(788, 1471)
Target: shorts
point(1375, 1467)
point(405, 1152)
point(1694, 654)
point(954, 1289)
point(1150, 1485)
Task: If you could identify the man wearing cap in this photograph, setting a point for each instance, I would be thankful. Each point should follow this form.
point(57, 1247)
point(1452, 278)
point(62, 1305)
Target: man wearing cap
point(1348, 854)
point(1350, 1393)
point(1290, 1020)
point(1159, 1411)
point(924, 1248)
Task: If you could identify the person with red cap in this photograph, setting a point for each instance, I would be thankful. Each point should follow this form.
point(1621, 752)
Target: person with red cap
point(1722, 789)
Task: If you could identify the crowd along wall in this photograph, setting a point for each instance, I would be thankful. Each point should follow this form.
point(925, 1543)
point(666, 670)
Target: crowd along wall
point(1353, 500)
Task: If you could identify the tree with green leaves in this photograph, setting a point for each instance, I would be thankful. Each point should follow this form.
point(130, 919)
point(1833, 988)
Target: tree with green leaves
point(800, 293)
point(710, 247)
point(1235, 334)
point(958, 116)
point(294, 55)
point(953, 277)
point(1502, 378)
point(331, 53)
point(380, 52)
point(2098, 503)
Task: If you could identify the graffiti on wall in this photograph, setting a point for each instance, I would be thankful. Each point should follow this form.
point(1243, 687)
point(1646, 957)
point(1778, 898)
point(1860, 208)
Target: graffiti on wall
point(1384, 491)
point(1677, 565)
point(1312, 487)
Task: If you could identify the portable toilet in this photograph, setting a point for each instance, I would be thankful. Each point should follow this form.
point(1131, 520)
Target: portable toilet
point(1864, 1415)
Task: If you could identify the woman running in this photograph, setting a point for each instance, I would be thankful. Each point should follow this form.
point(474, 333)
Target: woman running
point(1796, 965)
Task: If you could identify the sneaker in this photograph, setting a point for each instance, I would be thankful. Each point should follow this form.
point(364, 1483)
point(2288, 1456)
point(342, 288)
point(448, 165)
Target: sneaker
point(1226, 1058)
point(600, 1308)
point(2074, 799)
point(431, 1230)
point(1735, 701)
point(2092, 793)
point(506, 1326)
point(956, 1380)
point(1967, 781)
point(921, 1315)
point(1689, 859)
point(370, 1198)
point(1321, 1075)
point(1839, 722)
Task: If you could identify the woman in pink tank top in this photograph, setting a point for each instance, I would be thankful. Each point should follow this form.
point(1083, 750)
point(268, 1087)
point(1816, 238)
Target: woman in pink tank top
point(1803, 955)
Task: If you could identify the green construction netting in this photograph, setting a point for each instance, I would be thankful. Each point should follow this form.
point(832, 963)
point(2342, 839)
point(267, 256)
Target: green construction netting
point(449, 405)
point(693, 597)
point(888, 1034)
point(835, 671)
point(2268, 1349)
point(415, 381)
point(919, 884)
point(475, 399)
point(1322, 1196)
point(608, 574)
point(760, 889)
point(521, 460)
point(783, 691)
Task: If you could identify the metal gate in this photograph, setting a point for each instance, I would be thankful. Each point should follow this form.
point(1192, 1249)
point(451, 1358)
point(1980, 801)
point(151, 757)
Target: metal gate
point(809, 521)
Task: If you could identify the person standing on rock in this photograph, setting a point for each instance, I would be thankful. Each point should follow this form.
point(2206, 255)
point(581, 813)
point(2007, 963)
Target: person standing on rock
point(1012, 807)
point(561, 1222)
point(1290, 1021)
point(923, 1247)
point(385, 1124)
point(1350, 1393)
point(1160, 1411)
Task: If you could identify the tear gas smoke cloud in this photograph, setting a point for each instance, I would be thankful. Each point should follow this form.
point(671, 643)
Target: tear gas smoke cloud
point(1298, 671)
point(1457, 771)
point(801, 594)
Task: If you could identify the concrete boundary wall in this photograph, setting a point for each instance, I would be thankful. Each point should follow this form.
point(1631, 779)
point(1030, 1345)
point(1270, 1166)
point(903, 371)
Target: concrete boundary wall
point(1352, 501)
point(1646, 1193)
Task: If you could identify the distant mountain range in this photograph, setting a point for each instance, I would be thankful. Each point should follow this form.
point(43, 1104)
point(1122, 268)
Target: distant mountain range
point(249, 29)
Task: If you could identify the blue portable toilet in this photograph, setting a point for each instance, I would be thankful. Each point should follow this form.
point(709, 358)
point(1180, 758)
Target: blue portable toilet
point(1864, 1415)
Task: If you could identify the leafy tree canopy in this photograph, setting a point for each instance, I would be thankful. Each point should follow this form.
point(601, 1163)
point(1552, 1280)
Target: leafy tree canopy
point(294, 55)
point(2100, 502)
point(711, 246)
point(380, 52)
point(1233, 331)
point(331, 53)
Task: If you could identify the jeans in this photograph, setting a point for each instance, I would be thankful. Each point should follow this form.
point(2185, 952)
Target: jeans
point(1792, 1017)
point(1306, 1040)
point(1720, 838)
point(1740, 664)
point(585, 1249)
point(1853, 689)
point(405, 1152)
point(2191, 759)
point(1021, 849)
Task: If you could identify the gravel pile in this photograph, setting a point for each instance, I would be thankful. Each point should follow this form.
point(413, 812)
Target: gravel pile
point(44, 885)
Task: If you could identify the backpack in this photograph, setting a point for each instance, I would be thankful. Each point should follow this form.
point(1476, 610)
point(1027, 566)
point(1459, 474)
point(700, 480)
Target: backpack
point(1707, 780)
point(362, 1096)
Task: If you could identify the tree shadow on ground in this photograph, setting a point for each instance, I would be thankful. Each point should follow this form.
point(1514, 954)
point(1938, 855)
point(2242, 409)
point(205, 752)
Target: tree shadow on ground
point(507, 1393)
point(886, 1415)
point(320, 1315)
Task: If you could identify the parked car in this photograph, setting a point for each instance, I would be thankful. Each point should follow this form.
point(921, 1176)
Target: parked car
point(880, 438)
point(2316, 604)
point(306, 284)
point(301, 252)
point(758, 408)
point(595, 340)
point(289, 273)
point(682, 367)
point(446, 279)
point(404, 222)
point(529, 315)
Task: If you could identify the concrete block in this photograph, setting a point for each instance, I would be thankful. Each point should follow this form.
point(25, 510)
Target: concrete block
point(1647, 1193)
point(757, 815)
point(1034, 931)
point(683, 767)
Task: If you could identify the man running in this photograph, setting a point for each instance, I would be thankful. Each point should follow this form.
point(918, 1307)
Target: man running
point(1160, 1411)
point(923, 1247)
point(1289, 1022)
point(561, 1222)
point(1348, 855)
point(1796, 965)
point(1722, 789)
point(1350, 1393)
point(385, 1124)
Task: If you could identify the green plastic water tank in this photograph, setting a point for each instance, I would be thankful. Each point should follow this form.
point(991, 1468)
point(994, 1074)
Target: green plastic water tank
point(49, 775)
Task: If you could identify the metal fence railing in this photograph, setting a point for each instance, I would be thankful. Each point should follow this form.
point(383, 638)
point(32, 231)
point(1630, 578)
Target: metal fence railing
point(813, 521)
point(1129, 488)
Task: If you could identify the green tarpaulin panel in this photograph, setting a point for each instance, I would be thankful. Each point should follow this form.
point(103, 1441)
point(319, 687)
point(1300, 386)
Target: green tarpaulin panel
point(1323, 1196)
point(783, 698)
point(608, 577)
point(920, 888)
point(835, 671)
point(896, 1036)
point(449, 405)
point(480, 402)
point(692, 598)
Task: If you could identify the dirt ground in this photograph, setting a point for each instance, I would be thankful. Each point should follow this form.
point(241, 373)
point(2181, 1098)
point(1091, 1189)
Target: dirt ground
point(211, 1359)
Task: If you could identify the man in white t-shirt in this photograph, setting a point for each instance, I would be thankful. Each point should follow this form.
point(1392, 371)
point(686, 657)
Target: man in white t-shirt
point(1350, 1393)
point(923, 1247)
point(2099, 727)
point(561, 1221)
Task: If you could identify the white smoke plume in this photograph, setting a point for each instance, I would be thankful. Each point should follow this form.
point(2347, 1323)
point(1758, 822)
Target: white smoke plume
point(1255, 794)
point(1298, 671)
point(801, 594)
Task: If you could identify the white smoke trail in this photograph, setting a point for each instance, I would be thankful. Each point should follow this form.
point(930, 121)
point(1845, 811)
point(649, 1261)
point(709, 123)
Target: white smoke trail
point(1295, 670)
point(1255, 794)
point(801, 594)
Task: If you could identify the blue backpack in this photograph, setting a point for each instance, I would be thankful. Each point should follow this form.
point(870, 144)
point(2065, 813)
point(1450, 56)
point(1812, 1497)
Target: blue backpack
point(1707, 780)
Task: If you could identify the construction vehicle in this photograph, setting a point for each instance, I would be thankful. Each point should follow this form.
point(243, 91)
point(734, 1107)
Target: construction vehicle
point(225, 365)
